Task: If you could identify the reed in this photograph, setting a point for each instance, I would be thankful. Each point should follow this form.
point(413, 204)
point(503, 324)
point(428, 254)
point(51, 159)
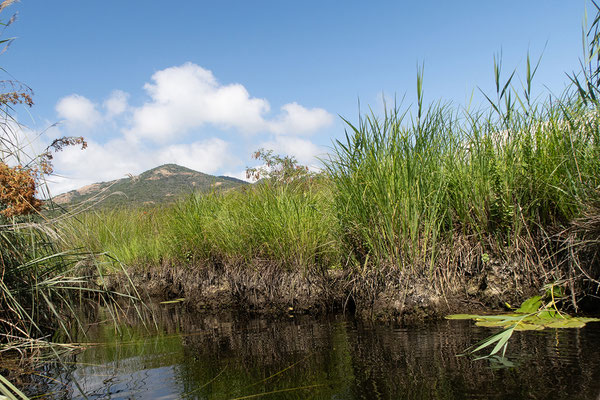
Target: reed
point(289, 225)
point(405, 184)
point(43, 280)
point(427, 189)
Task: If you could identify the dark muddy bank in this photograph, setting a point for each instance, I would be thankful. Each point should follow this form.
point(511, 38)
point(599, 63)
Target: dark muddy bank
point(383, 295)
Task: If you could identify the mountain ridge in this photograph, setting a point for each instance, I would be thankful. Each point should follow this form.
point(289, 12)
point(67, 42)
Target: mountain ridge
point(162, 184)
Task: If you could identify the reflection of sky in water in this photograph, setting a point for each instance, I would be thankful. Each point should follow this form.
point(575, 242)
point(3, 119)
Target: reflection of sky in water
point(127, 379)
point(207, 357)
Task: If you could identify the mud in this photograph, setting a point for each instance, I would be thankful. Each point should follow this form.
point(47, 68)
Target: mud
point(273, 290)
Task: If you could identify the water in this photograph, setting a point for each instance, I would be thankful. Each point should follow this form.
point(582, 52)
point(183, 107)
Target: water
point(207, 357)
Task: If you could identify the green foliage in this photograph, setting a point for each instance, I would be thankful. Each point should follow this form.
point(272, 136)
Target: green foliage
point(404, 186)
point(530, 305)
point(279, 169)
point(289, 225)
point(533, 314)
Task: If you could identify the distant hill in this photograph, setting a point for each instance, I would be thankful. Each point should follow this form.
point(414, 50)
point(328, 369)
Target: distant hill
point(159, 185)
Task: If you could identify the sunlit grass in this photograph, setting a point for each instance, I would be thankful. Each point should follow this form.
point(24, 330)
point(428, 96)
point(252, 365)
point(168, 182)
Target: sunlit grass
point(406, 185)
point(289, 225)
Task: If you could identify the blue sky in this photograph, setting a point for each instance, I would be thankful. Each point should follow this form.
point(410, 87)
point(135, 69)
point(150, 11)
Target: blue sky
point(203, 84)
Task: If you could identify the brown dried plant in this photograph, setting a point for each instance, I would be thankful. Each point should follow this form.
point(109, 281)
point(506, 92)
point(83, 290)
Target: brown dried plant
point(19, 184)
point(17, 190)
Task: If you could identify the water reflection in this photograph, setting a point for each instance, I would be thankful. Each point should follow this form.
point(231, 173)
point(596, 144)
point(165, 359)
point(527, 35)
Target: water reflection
point(227, 357)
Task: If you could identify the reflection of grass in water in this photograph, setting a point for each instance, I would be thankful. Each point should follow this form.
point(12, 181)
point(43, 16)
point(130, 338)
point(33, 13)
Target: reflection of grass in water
point(232, 372)
point(311, 359)
point(259, 369)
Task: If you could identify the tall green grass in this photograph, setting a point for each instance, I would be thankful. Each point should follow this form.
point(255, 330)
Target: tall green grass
point(399, 190)
point(405, 184)
point(131, 236)
point(403, 190)
point(289, 225)
point(43, 280)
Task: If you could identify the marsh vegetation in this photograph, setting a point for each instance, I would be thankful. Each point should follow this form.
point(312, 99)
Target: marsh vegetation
point(416, 212)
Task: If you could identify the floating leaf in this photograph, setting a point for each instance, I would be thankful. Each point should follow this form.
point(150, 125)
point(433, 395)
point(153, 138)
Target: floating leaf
point(530, 305)
point(566, 323)
point(524, 326)
point(492, 324)
point(462, 316)
point(530, 316)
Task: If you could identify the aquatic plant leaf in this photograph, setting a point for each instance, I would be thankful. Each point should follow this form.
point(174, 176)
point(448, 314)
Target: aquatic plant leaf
point(524, 326)
point(551, 315)
point(504, 318)
point(501, 337)
point(588, 319)
point(502, 342)
point(530, 305)
point(491, 324)
point(463, 316)
point(566, 323)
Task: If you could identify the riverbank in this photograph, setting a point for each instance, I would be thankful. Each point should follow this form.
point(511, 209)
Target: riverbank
point(409, 219)
point(391, 296)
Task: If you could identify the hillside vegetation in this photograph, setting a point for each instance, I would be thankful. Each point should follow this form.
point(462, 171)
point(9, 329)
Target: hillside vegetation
point(163, 184)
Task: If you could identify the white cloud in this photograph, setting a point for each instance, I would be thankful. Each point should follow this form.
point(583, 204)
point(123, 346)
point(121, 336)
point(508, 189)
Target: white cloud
point(207, 156)
point(188, 96)
point(300, 120)
point(116, 104)
point(78, 112)
point(97, 163)
point(182, 100)
point(304, 150)
point(239, 175)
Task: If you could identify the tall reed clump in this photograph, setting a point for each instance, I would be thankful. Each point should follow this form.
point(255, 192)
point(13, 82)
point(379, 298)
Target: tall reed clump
point(406, 185)
point(41, 278)
point(131, 236)
point(287, 225)
point(283, 221)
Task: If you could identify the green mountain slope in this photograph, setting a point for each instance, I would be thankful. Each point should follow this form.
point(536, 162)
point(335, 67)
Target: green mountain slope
point(162, 184)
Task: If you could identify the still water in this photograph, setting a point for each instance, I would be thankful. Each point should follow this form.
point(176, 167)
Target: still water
point(191, 356)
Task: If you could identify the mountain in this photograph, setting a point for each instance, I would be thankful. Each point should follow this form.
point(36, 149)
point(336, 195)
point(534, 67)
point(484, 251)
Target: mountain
point(159, 185)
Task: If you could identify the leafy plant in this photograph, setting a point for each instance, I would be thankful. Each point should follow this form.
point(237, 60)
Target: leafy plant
point(276, 168)
point(535, 313)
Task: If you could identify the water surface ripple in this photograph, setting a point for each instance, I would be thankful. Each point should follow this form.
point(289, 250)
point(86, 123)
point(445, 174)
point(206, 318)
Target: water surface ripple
point(193, 356)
